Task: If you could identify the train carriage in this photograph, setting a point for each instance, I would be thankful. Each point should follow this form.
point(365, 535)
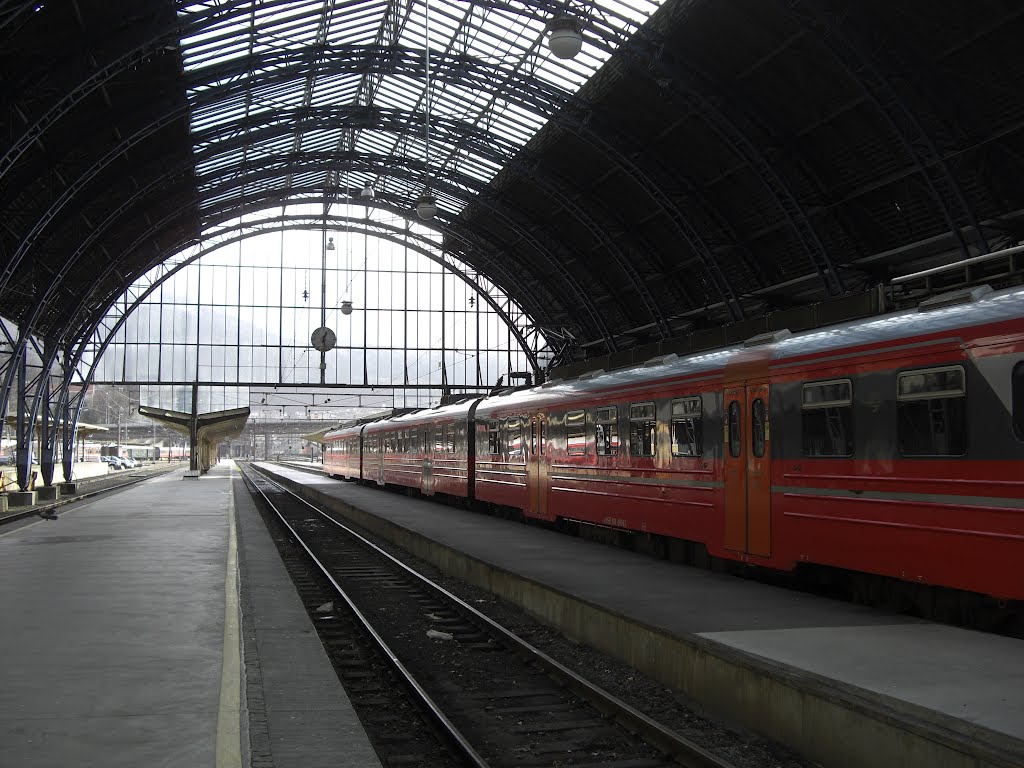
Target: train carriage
point(887, 446)
point(426, 450)
point(343, 453)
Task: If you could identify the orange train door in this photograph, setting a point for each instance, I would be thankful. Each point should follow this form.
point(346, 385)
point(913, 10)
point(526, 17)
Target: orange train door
point(536, 470)
point(748, 481)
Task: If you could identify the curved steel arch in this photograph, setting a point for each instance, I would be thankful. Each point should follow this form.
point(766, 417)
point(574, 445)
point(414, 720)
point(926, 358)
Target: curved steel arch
point(393, 120)
point(75, 359)
point(580, 294)
point(534, 86)
point(651, 51)
point(101, 77)
point(849, 50)
point(451, 232)
point(101, 312)
point(390, 234)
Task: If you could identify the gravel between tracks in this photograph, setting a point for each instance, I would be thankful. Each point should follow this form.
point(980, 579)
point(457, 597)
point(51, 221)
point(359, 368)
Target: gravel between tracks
point(672, 709)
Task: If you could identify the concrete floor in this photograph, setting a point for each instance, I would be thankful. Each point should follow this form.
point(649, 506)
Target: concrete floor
point(114, 652)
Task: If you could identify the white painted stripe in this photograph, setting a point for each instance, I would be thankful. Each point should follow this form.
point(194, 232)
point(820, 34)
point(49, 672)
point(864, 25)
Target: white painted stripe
point(229, 714)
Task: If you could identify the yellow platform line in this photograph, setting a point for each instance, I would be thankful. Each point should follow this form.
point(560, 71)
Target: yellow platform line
point(229, 713)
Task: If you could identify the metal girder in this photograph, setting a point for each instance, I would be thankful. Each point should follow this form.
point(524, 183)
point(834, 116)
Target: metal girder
point(868, 69)
point(69, 410)
point(382, 231)
point(495, 265)
point(529, 86)
point(96, 80)
point(23, 426)
point(652, 55)
point(464, 135)
point(43, 413)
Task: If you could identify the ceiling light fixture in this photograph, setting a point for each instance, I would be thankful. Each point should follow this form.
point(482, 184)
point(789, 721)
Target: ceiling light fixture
point(564, 37)
point(367, 193)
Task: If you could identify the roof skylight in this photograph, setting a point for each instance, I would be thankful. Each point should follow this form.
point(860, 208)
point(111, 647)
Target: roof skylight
point(274, 80)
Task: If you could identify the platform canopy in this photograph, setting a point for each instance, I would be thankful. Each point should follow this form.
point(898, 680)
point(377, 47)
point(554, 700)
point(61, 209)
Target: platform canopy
point(696, 162)
point(210, 429)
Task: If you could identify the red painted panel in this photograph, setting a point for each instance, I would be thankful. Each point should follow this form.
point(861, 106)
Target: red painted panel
point(735, 469)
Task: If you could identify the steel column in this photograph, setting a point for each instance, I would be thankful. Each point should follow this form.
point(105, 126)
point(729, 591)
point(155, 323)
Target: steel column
point(23, 457)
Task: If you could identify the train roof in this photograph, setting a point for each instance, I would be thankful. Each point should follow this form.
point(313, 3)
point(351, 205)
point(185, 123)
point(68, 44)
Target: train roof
point(411, 419)
point(944, 313)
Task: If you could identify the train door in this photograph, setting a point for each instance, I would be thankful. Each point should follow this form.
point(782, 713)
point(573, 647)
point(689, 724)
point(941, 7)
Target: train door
point(378, 462)
point(536, 468)
point(748, 482)
point(427, 438)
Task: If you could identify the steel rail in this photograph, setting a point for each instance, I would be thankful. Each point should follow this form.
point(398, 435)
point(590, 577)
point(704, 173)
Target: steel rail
point(679, 748)
point(45, 511)
point(432, 708)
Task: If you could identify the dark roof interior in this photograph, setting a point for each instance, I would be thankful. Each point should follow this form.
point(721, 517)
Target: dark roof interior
point(732, 158)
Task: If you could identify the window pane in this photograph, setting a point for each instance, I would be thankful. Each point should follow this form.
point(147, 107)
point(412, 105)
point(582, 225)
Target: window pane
point(607, 438)
point(576, 435)
point(757, 422)
point(734, 429)
point(641, 411)
point(938, 382)
point(823, 394)
point(493, 438)
point(828, 431)
point(689, 406)
point(686, 437)
point(933, 427)
point(1018, 400)
point(642, 437)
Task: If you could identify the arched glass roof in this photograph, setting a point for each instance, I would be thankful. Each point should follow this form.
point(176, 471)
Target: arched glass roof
point(272, 82)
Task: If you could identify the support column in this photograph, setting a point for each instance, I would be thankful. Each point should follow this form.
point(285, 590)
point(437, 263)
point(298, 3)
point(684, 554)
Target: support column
point(69, 428)
point(193, 434)
point(23, 459)
point(48, 428)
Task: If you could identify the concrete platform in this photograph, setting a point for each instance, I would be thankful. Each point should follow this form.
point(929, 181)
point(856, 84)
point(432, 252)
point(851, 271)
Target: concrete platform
point(842, 684)
point(121, 642)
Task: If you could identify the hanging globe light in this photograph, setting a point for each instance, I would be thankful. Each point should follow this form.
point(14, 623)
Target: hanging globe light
point(564, 38)
point(346, 307)
point(426, 207)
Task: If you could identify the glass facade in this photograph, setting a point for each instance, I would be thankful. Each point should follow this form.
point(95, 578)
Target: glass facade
point(243, 314)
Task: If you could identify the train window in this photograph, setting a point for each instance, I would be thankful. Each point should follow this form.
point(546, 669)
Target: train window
point(1018, 400)
point(686, 427)
point(642, 429)
point(533, 436)
point(758, 427)
point(576, 433)
point(932, 412)
point(606, 428)
point(827, 418)
point(541, 425)
point(735, 446)
point(514, 438)
point(438, 439)
point(449, 438)
point(493, 438)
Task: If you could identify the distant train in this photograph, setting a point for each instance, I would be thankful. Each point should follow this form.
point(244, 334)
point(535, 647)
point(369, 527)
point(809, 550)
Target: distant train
point(137, 452)
point(890, 446)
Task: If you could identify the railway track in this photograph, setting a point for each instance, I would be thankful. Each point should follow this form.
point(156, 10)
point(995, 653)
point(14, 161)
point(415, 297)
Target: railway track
point(47, 511)
point(435, 681)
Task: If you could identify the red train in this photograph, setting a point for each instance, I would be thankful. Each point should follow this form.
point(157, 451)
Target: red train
point(886, 446)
